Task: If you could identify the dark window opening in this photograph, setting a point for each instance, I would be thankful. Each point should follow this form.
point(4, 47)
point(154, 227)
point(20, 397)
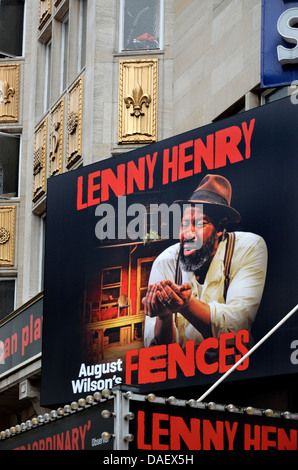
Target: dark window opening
point(6, 297)
point(9, 165)
point(141, 24)
point(11, 28)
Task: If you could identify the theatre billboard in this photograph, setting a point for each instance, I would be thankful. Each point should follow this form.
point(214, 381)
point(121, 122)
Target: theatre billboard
point(107, 226)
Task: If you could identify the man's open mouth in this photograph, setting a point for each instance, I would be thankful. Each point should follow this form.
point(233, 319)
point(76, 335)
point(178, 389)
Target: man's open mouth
point(190, 247)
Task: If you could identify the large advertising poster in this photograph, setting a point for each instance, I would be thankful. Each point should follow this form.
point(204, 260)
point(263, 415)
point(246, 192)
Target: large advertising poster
point(70, 430)
point(20, 337)
point(119, 308)
point(159, 428)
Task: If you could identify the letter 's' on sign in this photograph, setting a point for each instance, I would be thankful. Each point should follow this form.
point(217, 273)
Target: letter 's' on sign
point(287, 28)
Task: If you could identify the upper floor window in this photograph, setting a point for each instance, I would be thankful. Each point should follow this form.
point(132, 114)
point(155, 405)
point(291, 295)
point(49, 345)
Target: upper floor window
point(141, 25)
point(47, 88)
point(11, 28)
point(9, 165)
point(82, 34)
point(7, 297)
point(273, 94)
point(64, 53)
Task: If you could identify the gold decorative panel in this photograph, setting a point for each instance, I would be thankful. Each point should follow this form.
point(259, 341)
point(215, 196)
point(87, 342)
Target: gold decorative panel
point(56, 139)
point(39, 164)
point(74, 123)
point(7, 235)
point(137, 102)
point(9, 92)
point(45, 11)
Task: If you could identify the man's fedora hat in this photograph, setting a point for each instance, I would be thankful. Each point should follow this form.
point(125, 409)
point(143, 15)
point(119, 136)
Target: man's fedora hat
point(215, 191)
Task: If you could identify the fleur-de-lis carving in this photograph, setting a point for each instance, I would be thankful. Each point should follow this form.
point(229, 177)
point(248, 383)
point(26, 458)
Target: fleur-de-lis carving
point(137, 99)
point(5, 92)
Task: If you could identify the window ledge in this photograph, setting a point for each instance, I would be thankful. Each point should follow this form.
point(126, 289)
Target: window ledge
point(142, 52)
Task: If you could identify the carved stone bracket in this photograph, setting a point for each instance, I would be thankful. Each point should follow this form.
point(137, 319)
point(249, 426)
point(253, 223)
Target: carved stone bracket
point(137, 101)
point(45, 12)
point(74, 123)
point(9, 92)
point(7, 235)
point(39, 163)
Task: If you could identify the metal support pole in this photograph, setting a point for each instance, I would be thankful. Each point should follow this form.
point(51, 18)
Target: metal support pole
point(121, 424)
point(262, 340)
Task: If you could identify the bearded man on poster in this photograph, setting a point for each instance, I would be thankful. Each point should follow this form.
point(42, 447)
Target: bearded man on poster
point(206, 301)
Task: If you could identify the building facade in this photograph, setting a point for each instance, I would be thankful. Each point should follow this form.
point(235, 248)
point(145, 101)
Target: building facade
point(86, 80)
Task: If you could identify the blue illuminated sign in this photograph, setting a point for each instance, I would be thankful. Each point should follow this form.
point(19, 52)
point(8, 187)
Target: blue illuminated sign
point(279, 48)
